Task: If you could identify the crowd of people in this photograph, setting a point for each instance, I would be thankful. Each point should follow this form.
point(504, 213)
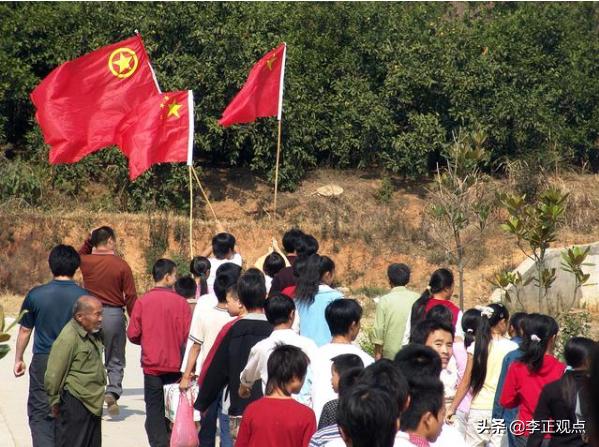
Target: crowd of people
point(271, 355)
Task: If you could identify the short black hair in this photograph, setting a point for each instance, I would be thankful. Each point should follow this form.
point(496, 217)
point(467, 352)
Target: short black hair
point(306, 245)
point(517, 320)
point(64, 260)
point(344, 362)
point(368, 416)
point(341, 313)
point(186, 287)
point(426, 398)
point(251, 289)
point(421, 332)
point(278, 309)
point(101, 235)
point(348, 379)
point(222, 244)
point(227, 276)
point(418, 363)
point(161, 268)
point(285, 363)
point(290, 239)
point(386, 375)
point(273, 264)
point(440, 313)
point(398, 274)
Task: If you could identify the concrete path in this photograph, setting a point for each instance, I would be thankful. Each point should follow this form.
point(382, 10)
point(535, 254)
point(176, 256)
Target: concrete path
point(127, 430)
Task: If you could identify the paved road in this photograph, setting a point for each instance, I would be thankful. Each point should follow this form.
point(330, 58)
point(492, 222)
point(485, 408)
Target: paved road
point(127, 430)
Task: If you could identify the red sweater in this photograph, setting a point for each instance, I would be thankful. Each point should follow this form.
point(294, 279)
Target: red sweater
point(455, 310)
point(160, 324)
point(270, 422)
point(523, 388)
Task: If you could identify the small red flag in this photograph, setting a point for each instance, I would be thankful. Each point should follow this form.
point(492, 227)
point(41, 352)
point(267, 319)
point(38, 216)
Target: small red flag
point(262, 93)
point(160, 131)
point(81, 103)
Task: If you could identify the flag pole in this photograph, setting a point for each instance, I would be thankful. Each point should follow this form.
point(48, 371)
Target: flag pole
point(280, 118)
point(205, 195)
point(190, 113)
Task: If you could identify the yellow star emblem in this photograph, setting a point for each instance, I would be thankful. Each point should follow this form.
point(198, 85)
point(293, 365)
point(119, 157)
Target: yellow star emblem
point(125, 65)
point(123, 62)
point(270, 61)
point(173, 109)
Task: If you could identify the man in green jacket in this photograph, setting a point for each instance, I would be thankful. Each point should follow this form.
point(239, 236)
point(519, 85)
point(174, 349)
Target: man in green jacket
point(392, 313)
point(75, 378)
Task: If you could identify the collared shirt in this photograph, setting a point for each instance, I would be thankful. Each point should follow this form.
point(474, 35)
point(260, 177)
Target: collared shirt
point(160, 324)
point(49, 308)
point(76, 365)
point(256, 367)
point(392, 314)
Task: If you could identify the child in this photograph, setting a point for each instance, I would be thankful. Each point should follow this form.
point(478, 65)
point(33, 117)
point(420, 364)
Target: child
point(438, 292)
point(483, 366)
point(223, 251)
point(200, 267)
point(536, 368)
point(276, 419)
point(344, 371)
point(559, 399)
point(392, 313)
point(297, 245)
point(313, 294)
point(186, 287)
point(273, 264)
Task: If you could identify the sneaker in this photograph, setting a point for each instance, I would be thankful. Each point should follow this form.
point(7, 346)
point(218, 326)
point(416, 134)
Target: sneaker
point(111, 405)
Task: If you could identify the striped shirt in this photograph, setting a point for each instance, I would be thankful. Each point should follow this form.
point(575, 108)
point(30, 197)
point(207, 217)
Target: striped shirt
point(325, 435)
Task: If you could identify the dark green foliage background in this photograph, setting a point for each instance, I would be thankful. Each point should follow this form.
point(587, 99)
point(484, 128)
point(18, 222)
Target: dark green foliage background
point(367, 85)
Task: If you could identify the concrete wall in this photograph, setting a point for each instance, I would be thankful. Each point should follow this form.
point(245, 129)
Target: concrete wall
point(563, 287)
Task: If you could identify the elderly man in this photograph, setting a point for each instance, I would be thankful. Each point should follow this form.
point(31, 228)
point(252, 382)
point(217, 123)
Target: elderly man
point(75, 377)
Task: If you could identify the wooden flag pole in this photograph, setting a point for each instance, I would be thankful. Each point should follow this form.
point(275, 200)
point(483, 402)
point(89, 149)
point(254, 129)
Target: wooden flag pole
point(277, 171)
point(204, 194)
point(190, 213)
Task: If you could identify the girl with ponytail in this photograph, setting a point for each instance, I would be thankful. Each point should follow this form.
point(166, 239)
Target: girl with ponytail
point(558, 400)
point(313, 294)
point(199, 268)
point(536, 368)
point(438, 293)
point(484, 359)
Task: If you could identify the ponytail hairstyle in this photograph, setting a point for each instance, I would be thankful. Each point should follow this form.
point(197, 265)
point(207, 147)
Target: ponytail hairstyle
point(307, 270)
point(539, 329)
point(491, 316)
point(199, 268)
point(440, 280)
point(577, 352)
point(470, 322)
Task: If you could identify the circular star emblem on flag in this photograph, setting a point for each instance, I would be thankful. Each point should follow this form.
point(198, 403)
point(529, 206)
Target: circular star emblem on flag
point(123, 62)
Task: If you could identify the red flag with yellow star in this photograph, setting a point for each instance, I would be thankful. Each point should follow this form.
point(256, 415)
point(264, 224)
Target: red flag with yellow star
point(160, 131)
point(80, 104)
point(262, 93)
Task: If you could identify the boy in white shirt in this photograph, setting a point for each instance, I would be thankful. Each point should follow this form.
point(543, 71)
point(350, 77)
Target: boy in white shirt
point(223, 251)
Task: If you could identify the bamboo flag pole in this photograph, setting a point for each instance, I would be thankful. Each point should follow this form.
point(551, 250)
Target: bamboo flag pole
point(204, 194)
point(280, 118)
point(190, 166)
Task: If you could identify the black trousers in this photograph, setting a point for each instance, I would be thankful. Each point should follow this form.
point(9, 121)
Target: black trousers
point(157, 426)
point(41, 423)
point(77, 426)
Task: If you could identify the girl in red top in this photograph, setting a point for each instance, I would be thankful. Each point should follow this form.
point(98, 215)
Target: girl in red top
point(527, 376)
point(277, 419)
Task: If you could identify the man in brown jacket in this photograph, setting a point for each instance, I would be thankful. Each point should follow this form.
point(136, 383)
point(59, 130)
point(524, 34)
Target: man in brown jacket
point(109, 278)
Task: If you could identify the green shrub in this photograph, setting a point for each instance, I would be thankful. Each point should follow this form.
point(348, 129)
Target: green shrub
point(576, 323)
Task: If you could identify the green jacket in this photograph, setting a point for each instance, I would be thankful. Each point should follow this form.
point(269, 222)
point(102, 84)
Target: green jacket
point(392, 313)
point(75, 364)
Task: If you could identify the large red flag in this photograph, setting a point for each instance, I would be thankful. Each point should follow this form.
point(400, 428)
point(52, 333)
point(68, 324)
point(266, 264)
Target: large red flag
point(160, 131)
point(81, 103)
point(262, 93)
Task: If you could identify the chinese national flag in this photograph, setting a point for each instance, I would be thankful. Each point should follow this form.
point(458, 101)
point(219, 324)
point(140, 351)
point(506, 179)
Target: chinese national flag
point(160, 131)
point(80, 104)
point(261, 94)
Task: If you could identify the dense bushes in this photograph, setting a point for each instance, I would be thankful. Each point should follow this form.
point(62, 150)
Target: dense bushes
point(368, 84)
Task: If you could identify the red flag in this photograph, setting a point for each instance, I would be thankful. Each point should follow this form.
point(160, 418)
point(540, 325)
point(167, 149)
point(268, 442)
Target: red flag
point(262, 93)
point(160, 130)
point(81, 103)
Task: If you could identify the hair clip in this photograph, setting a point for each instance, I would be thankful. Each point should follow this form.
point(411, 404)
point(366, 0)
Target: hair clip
point(470, 331)
point(429, 288)
point(485, 311)
point(535, 337)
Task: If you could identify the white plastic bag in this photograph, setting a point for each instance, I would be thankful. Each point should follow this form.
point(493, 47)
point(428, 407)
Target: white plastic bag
point(171, 400)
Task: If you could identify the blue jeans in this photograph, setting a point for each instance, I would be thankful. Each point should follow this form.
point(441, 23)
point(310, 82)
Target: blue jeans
point(207, 433)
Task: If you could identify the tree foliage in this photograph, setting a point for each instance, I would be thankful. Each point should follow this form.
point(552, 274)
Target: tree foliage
point(367, 84)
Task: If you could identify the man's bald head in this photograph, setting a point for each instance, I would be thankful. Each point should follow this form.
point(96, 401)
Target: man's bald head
point(87, 311)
